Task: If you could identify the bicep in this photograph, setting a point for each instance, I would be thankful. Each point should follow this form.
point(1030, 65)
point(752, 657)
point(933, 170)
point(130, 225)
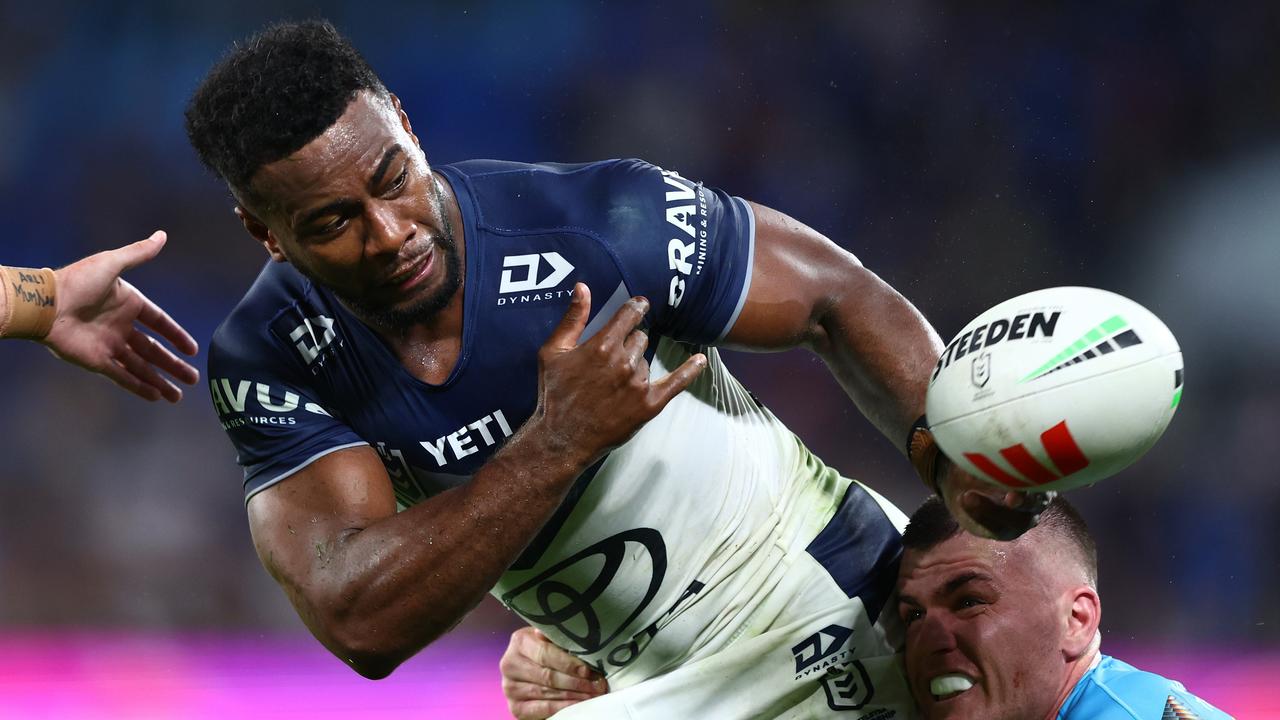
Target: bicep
point(797, 275)
point(298, 522)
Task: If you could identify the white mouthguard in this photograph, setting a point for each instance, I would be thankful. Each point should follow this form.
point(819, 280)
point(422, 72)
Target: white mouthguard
point(947, 684)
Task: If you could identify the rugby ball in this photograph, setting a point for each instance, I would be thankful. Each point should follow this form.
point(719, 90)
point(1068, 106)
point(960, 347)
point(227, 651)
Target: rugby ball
point(1055, 389)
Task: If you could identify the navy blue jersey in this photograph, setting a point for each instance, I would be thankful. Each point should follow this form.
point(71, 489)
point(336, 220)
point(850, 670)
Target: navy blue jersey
point(294, 375)
point(664, 551)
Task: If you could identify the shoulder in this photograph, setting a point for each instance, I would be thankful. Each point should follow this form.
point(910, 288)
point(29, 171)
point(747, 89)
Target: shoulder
point(1117, 690)
point(498, 170)
point(590, 197)
point(253, 332)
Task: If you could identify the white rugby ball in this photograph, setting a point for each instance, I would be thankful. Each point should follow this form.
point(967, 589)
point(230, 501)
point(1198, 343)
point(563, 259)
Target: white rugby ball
point(1055, 389)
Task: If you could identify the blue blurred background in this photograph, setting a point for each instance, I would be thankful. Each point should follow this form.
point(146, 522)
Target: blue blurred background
point(967, 154)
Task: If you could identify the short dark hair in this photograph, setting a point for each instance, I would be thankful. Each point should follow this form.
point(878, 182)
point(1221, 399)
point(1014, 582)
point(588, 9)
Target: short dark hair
point(272, 94)
point(931, 525)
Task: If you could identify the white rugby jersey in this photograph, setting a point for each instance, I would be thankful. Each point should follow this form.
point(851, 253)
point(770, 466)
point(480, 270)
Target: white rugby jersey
point(691, 519)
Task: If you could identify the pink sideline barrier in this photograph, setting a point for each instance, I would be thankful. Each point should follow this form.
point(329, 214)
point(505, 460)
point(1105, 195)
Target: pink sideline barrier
point(193, 677)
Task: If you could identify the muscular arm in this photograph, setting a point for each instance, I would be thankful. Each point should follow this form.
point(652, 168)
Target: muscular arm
point(376, 586)
point(806, 291)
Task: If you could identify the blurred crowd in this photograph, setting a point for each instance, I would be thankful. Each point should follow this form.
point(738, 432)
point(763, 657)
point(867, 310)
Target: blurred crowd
point(965, 153)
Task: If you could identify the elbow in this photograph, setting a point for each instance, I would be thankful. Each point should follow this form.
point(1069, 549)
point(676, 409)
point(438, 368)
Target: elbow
point(373, 649)
point(364, 653)
point(371, 667)
point(368, 633)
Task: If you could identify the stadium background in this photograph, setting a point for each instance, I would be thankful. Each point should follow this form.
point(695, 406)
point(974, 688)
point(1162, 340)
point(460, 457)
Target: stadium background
point(966, 155)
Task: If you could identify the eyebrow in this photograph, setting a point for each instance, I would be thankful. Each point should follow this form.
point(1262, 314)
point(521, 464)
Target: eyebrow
point(338, 207)
point(963, 579)
point(384, 163)
point(952, 585)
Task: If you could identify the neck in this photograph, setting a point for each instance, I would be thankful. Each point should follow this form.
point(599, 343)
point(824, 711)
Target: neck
point(1077, 670)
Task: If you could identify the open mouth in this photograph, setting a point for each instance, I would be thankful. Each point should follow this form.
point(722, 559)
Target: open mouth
point(945, 687)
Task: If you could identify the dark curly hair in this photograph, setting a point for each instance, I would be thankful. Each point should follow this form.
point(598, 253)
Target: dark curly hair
point(931, 525)
point(271, 95)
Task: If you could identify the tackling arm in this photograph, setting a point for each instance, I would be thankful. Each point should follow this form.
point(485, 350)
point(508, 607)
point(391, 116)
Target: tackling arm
point(807, 291)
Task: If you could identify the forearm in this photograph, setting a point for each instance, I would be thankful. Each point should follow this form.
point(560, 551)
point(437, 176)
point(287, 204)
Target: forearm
point(393, 587)
point(880, 348)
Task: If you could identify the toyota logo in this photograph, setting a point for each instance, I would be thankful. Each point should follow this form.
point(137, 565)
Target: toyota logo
point(564, 596)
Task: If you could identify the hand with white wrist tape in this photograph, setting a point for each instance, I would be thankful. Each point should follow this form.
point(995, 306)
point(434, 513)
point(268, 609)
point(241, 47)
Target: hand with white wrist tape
point(87, 315)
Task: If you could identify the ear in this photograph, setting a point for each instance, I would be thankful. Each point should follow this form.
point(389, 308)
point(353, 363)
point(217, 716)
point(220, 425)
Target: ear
point(1084, 613)
point(261, 233)
point(404, 119)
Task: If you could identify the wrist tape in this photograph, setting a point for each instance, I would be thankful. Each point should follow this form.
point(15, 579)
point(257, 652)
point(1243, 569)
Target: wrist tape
point(924, 454)
point(27, 302)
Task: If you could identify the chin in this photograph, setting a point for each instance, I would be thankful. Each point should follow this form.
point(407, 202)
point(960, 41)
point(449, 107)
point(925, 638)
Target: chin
point(964, 707)
point(430, 297)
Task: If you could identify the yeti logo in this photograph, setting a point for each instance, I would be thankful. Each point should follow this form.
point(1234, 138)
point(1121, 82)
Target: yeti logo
point(981, 369)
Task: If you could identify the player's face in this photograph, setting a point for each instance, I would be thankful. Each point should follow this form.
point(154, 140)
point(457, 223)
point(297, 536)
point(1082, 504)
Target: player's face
point(984, 625)
point(359, 211)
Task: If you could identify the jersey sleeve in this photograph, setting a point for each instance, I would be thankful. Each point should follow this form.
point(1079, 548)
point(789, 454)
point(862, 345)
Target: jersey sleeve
point(686, 247)
point(270, 414)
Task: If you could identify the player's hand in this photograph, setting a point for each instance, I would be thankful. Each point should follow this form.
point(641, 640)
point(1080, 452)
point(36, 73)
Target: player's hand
point(98, 319)
point(539, 679)
point(985, 510)
point(594, 396)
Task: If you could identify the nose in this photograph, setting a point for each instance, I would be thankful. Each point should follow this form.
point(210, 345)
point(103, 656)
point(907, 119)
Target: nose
point(388, 229)
point(933, 633)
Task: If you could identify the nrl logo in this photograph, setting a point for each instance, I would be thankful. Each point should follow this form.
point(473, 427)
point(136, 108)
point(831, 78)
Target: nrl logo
point(981, 371)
